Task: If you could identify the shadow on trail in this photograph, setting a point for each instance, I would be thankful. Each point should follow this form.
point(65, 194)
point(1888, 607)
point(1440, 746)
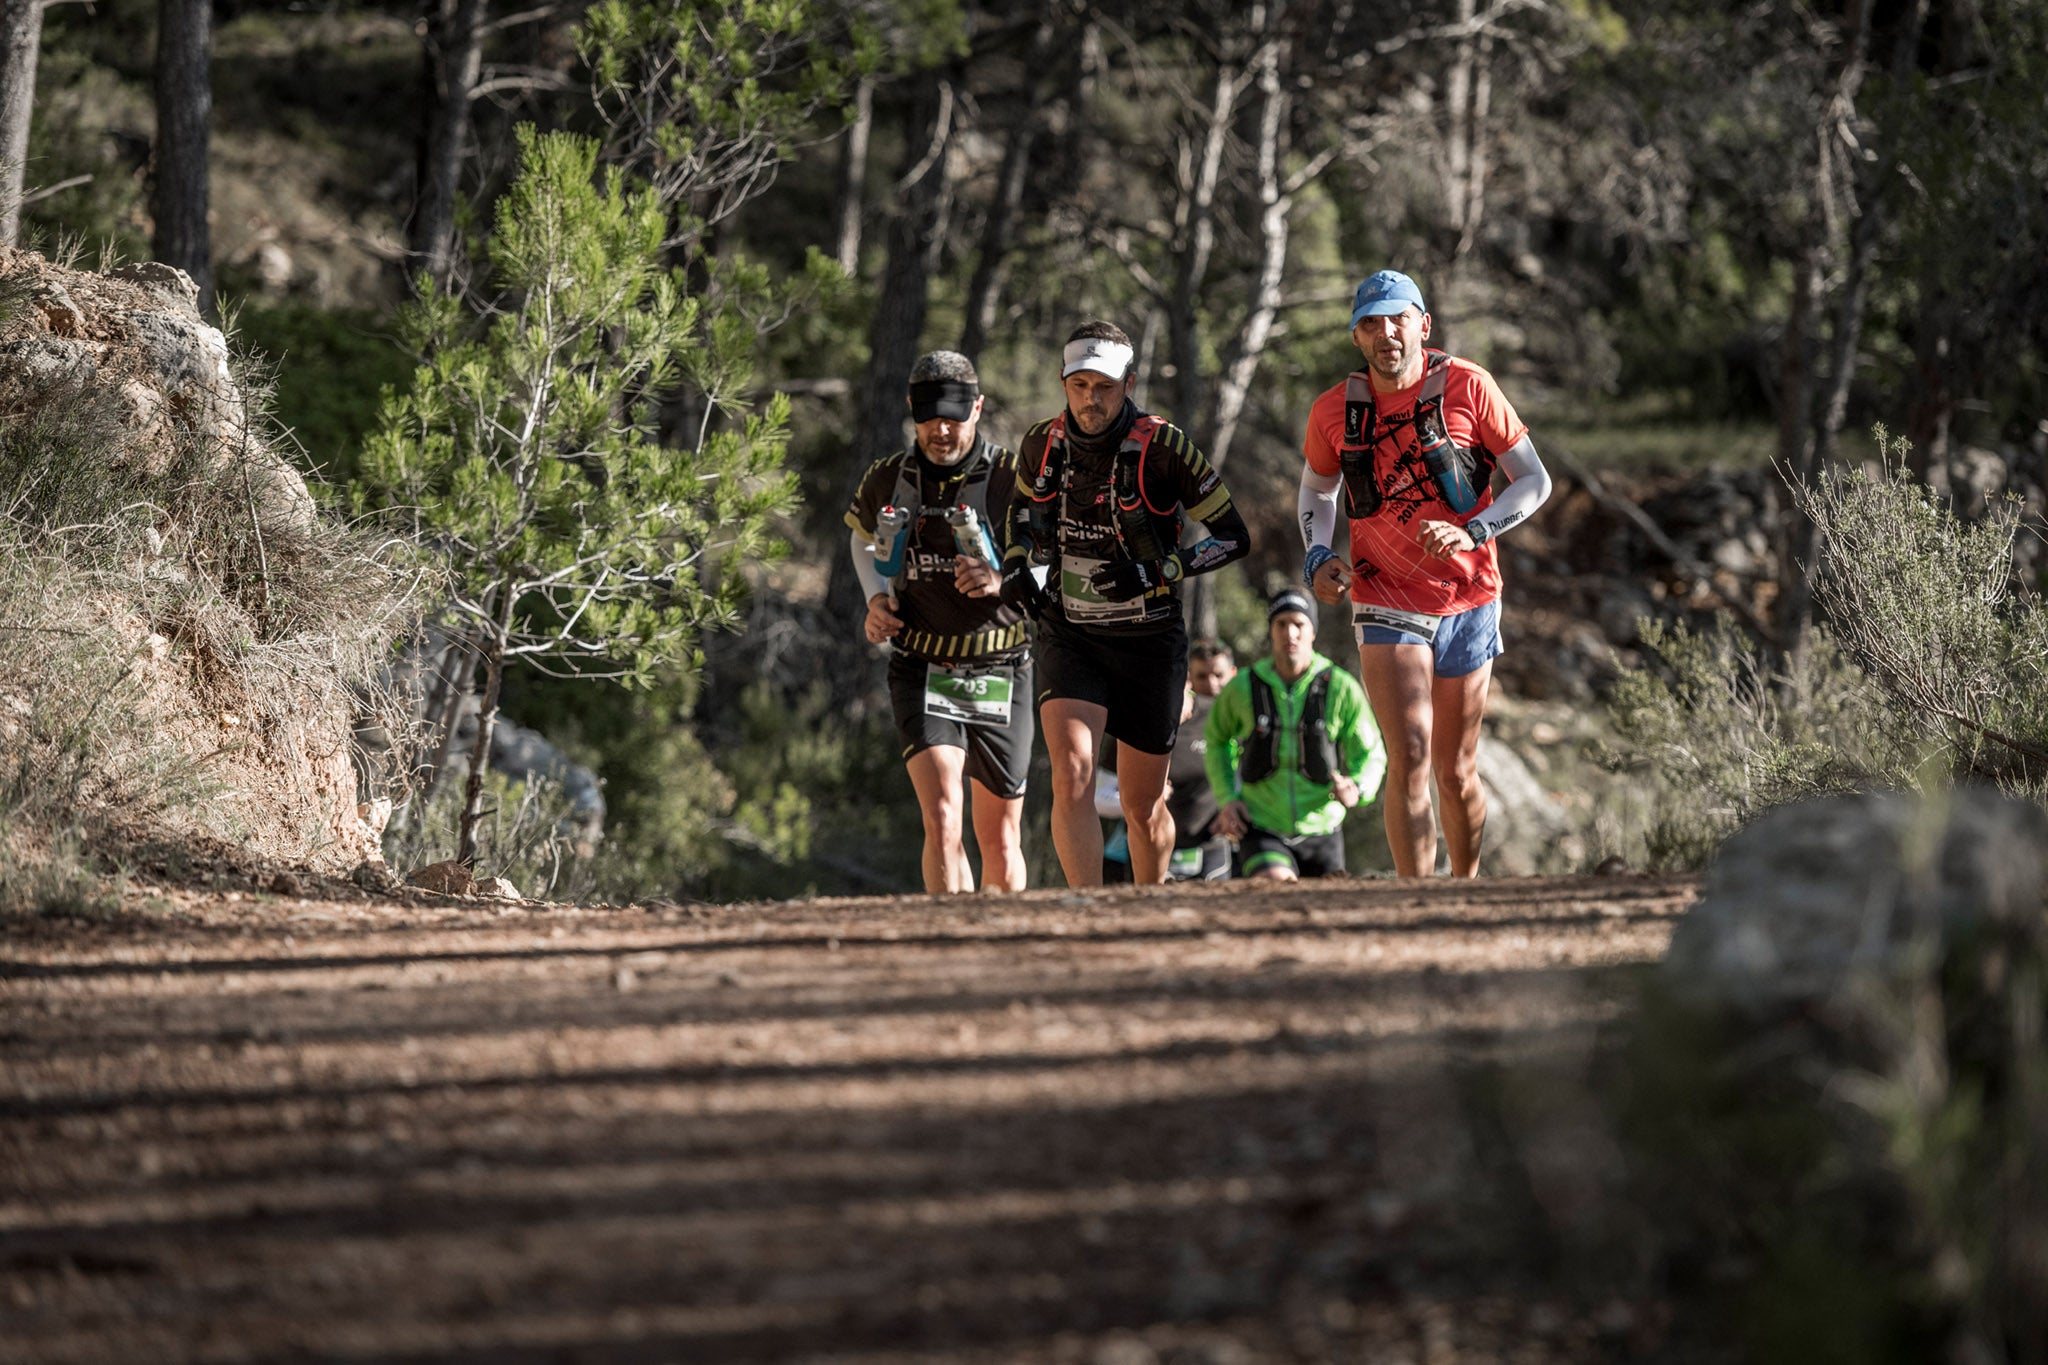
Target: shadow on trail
point(701, 947)
point(670, 1000)
point(979, 1230)
point(1336, 1161)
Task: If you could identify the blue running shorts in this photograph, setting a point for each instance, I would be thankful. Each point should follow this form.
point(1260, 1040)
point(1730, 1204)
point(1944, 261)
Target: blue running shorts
point(1460, 644)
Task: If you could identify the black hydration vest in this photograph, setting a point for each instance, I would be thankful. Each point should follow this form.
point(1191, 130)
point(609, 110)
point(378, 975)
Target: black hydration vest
point(1317, 751)
point(1461, 473)
point(1141, 533)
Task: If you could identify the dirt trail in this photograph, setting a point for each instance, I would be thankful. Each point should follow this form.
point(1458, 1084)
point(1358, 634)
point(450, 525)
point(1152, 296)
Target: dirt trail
point(1353, 1121)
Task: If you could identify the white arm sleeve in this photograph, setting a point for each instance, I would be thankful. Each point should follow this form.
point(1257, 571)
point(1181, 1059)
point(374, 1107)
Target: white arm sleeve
point(1318, 506)
point(1528, 486)
point(872, 584)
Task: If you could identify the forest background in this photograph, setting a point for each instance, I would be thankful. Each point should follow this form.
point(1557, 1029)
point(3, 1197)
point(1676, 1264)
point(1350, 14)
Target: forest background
point(1682, 235)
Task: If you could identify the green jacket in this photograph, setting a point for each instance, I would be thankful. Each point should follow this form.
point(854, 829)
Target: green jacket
point(1286, 802)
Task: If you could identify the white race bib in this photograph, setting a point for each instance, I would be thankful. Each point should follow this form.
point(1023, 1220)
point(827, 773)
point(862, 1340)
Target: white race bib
point(1413, 622)
point(1081, 600)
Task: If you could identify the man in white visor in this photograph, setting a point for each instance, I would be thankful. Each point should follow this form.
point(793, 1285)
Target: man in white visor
point(1104, 493)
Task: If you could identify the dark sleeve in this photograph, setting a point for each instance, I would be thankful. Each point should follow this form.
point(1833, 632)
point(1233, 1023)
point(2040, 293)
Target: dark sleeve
point(1002, 498)
point(1199, 490)
point(870, 496)
point(1030, 453)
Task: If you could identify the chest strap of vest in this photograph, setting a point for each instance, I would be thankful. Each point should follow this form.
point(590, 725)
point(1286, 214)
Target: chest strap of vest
point(1459, 473)
point(1316, 752)
point(909, 491)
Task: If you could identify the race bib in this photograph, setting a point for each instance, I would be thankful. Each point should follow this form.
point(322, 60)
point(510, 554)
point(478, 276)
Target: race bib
point(1083, 603)
point(1413, 622)
point(980, 697)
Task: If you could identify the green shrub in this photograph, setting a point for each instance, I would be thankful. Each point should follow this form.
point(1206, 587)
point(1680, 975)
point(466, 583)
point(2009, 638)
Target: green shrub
point(1927, 606)
point(1720, 734)
point(1931, 667)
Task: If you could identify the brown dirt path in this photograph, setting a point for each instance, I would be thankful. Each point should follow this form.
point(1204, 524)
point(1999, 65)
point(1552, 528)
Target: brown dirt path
point(1350, 1121)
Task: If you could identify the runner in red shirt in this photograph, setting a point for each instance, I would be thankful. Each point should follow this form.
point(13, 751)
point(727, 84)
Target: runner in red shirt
point(1408, 448)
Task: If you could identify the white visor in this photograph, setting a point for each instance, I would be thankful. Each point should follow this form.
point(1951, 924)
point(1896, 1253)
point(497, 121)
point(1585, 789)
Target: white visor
point(1112, 358)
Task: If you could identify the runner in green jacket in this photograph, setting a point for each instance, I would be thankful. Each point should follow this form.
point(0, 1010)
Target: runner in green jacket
point(1292, 747)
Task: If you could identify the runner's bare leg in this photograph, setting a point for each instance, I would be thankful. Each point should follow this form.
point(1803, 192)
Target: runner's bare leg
point(999, 833)
point(935, 773)
point(1148, 824)
point(1073, 738)
point(1460, 705)
point(1397, 682)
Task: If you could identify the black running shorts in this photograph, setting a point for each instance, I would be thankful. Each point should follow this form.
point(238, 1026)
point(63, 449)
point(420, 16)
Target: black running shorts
point(1138, 678)
point(997, 756)
point(1310, 855)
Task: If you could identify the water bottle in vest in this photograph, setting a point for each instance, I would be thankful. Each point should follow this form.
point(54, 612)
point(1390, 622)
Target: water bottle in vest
point(970, 535)
point(892, 534)
point(1452, 474)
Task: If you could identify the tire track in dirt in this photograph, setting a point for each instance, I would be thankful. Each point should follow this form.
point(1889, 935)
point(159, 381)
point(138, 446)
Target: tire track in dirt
point(1354, 1120)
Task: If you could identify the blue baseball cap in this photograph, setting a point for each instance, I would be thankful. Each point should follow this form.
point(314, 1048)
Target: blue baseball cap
point(1385, 294)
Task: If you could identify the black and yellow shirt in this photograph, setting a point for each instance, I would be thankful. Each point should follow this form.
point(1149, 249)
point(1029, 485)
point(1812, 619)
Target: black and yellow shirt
point(940, 623)
point(1175, 479)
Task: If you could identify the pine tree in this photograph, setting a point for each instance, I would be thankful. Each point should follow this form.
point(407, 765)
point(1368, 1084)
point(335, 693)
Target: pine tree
point(527, 451)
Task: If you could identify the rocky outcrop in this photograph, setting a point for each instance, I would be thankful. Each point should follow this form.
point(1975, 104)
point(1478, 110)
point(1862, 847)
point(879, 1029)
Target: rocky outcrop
point(1818, 901)
point(133, 339)
point(218, 680)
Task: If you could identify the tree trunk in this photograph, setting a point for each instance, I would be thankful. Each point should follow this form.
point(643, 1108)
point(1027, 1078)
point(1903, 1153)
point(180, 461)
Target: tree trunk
point(1804, 441)
point(1872, 216)
point(1468, 97)
point(21, 37)
point(1247, 348)
point(1241, 362)
point(923, 195)
point(1795, 437)
point(1000, 227)
point(1195, 235)
point(853, 176)
point(454, 61)
point(486, 724)
point(184, 106)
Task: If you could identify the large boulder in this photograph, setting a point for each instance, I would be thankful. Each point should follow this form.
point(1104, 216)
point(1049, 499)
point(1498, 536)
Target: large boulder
point(1526, 830)
point(1815, 900)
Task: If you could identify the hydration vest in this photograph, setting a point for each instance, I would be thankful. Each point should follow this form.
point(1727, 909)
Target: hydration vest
point(1317, 752)
point(909, 491)
point(1461, 473)
point(1142, 531)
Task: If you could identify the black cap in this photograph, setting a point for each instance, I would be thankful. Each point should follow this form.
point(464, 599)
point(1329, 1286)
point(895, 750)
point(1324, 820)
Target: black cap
point(948, 398)
point(1290, 601)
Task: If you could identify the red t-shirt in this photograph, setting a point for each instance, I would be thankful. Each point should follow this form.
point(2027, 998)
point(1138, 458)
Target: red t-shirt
point(1393, 571)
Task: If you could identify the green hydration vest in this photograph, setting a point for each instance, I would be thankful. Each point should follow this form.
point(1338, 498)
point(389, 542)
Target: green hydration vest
point(1315, 751)
point(1461, 473)
point(1280, 747)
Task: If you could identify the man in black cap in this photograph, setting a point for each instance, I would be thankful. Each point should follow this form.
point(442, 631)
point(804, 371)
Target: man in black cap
point(927, 525)
point(1292, 750)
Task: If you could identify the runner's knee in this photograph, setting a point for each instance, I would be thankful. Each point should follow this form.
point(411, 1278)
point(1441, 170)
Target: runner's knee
point(1457, 773)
